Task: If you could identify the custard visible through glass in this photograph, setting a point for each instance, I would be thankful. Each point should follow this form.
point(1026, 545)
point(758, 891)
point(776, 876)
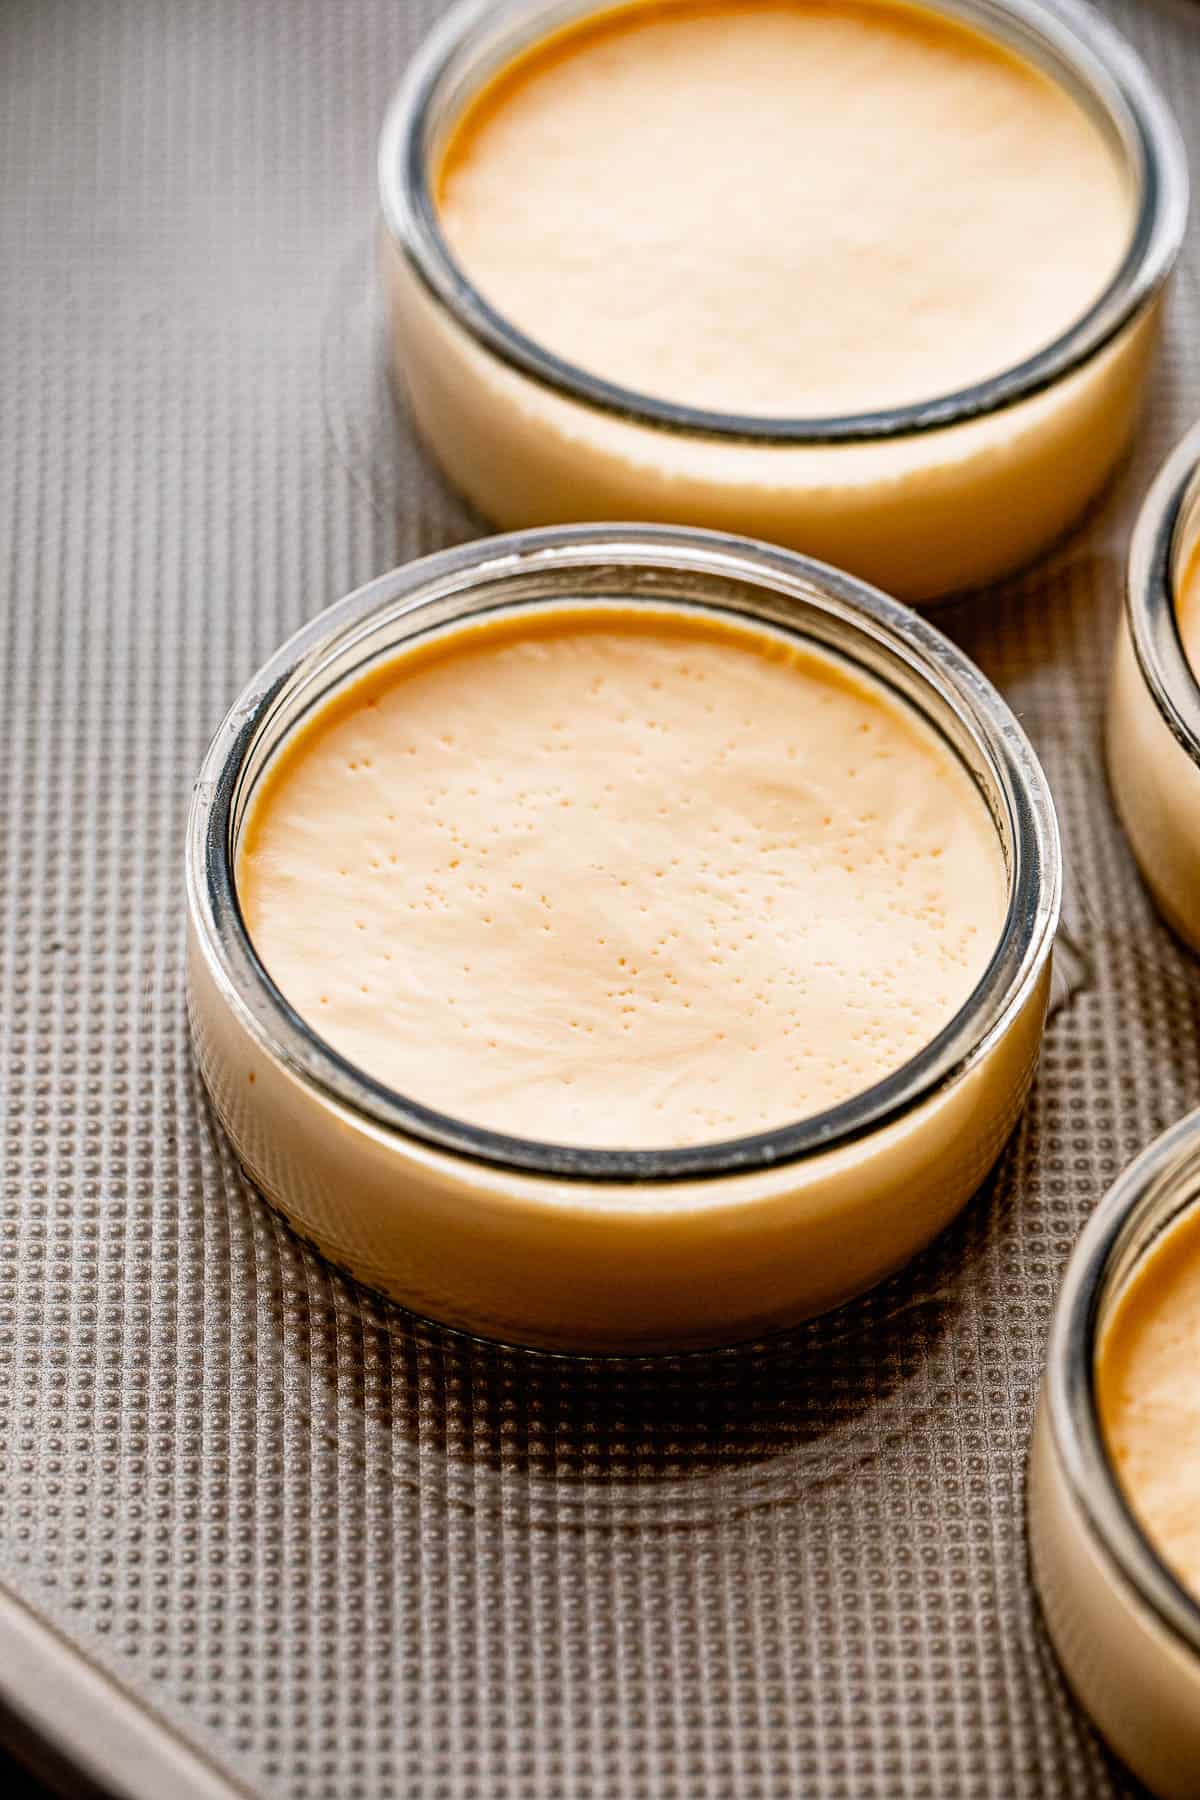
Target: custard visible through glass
point(1187, 611)
point(621, 878)
point(1148, 1391)
point(784, 207)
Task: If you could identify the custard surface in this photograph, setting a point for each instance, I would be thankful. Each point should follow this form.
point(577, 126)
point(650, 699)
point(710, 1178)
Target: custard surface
point(783, 207)
point(1187, 611)
point(597, 877)
point(1148, 1391)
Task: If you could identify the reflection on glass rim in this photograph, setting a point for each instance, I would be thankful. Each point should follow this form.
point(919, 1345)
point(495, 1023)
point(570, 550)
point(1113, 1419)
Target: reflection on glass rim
point(659, 564)
point(1150, 1194)
point(1163, 537)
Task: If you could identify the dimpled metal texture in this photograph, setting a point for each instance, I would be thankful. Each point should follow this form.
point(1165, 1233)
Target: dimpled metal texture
point(342, 1552)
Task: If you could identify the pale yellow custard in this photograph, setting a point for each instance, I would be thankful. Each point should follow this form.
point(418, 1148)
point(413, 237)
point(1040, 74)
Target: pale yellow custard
point(1148, 1392)
point(764, 217)
point(621, 878)
point(783, 207)
point(1187, 611)
point(1130, 1307)
point(1156, 780)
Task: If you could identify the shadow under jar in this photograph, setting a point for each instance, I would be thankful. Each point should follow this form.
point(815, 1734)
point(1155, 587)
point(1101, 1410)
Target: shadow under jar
point(1154, 697)
point(1124, 1625)
point(947, 490)
point(553, 1243)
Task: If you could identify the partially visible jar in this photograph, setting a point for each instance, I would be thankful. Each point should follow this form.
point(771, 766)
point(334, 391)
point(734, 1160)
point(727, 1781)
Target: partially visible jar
point(1126, 1631)
point(1154, 698)
point(618, 1250)
point(922, 499)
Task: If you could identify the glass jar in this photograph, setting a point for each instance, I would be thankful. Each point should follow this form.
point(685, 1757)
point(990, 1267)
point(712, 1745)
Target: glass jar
point(570, 1248)
point(1154, 698)
point(922, 499)
point(1126, 1632)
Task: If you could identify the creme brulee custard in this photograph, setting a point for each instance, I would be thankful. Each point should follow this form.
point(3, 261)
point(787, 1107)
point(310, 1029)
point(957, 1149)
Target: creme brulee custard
point(1114, 1468)
point(599, 877)
point(875, 281)
point(1148, 1393)
point(1187, 611)
point(783, 207)
point(619, 938)
point(1154, 699)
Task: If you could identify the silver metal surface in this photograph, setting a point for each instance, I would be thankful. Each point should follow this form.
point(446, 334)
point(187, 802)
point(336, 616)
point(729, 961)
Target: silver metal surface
point(340, 1553)
point(114, 1743)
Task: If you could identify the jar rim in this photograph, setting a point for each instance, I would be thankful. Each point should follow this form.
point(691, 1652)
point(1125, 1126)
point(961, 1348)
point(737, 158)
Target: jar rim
point(1165, 1175)
point(1153, 571)
point(1078, 48)
point(898, 637)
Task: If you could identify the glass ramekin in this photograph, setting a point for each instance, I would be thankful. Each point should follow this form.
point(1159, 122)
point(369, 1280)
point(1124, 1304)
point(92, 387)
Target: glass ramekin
point(922, 499)
point(1126, 1632)
point(574, 1248)
point(1154, 698)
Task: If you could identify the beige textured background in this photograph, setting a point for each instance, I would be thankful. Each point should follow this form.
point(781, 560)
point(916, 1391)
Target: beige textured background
point(348, 1554)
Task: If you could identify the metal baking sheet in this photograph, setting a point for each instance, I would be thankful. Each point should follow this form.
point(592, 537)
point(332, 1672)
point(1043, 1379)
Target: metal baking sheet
point(252, 1520)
